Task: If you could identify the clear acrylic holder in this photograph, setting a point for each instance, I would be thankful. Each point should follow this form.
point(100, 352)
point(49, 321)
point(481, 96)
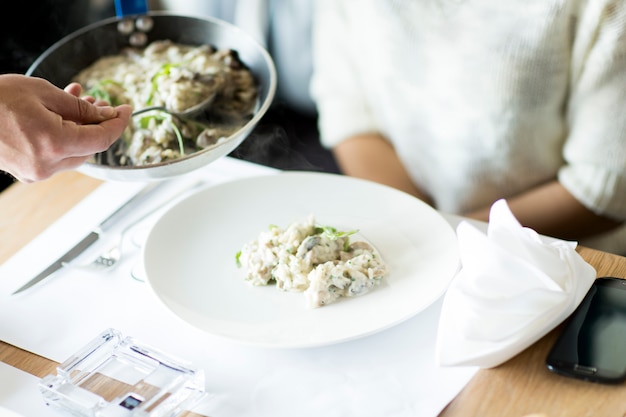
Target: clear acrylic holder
point(113, 376)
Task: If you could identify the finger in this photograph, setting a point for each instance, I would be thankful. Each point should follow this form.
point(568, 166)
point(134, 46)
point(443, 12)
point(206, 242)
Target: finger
point(70, 107)
point(124, 113)
point(88, 139)
point(74, 89)
point(92, 113)
point(101, 103)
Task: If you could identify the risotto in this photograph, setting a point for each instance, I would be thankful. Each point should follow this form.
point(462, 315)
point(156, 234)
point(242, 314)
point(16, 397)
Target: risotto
point(176, 77)
point(317, 260)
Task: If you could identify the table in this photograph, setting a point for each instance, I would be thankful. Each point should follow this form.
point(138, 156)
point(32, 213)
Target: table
point(519, 387)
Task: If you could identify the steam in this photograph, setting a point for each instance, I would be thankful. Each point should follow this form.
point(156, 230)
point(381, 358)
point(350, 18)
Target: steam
point(270, 144)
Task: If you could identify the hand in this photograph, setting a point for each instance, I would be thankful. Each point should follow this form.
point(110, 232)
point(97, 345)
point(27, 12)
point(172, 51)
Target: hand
point(44, 129)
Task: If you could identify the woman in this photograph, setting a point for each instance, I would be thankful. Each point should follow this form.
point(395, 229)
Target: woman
point(461, 103)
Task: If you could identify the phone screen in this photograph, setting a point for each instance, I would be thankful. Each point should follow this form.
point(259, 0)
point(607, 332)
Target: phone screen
point(592, 345)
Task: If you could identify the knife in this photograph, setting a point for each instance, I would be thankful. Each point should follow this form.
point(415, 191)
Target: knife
point(95, 234)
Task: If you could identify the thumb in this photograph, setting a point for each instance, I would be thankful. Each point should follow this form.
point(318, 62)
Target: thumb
point(88, 113)
point(80, 111)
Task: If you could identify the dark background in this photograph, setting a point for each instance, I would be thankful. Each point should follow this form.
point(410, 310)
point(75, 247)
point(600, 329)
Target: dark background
point(284, 139)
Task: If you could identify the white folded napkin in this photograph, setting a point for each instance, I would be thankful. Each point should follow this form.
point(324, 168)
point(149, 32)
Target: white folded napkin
point(514, 286)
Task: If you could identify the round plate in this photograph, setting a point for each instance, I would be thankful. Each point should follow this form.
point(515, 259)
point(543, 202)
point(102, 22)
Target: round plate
point(189, 258)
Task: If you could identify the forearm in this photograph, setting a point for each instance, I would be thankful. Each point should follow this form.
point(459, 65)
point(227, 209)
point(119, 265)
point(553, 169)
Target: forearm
point(551, 210)
point(371, 157)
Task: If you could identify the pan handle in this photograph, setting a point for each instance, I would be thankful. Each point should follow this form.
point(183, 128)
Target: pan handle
point(130, 7)
point(134, 21)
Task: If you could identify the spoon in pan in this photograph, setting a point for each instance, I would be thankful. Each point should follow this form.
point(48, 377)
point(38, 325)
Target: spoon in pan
point(110, 156)
point(187, 113)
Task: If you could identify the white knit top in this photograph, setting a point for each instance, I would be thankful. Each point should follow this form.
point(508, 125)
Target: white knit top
point(483, 99)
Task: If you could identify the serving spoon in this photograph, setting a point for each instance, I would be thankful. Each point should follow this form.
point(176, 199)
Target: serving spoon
point(188, 113)
point(109, 157)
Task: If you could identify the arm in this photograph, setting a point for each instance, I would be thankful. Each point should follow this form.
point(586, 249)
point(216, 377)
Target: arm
point(370, 156)
point(44, 129)
point(551, 210)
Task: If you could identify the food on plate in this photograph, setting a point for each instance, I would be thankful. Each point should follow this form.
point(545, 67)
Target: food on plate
point(177, 77)
point(319, 261)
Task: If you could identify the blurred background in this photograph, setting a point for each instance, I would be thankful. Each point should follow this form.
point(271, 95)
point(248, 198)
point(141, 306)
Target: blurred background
point(287, 136)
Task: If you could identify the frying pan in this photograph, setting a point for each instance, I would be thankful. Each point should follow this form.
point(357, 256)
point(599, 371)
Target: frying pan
point(64, 59)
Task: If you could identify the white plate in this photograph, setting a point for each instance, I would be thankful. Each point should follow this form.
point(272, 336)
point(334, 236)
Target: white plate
point(190, 253)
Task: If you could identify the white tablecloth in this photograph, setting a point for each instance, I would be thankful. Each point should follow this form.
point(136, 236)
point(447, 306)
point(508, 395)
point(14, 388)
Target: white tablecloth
point(391, 373)
point(17, 391)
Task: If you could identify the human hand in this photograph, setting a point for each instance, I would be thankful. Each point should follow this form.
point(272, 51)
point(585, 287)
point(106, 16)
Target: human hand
point(44, 129)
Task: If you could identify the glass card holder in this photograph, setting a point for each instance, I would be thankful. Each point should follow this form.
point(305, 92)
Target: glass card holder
point(113, 376)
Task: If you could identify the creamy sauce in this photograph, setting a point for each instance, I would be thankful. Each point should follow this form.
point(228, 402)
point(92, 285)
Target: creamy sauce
point(177, 77)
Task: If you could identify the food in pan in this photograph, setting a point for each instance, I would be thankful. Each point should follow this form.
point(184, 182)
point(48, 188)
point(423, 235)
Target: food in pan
point(319, 261)
point(174, 76)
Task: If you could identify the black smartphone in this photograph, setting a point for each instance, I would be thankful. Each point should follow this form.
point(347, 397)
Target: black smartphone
point(592, 345)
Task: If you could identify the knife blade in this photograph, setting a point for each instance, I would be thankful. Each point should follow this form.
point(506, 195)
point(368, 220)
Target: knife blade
point(93, 236)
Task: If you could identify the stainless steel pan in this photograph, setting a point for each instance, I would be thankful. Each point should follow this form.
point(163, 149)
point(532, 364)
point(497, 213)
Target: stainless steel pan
point(67, 57)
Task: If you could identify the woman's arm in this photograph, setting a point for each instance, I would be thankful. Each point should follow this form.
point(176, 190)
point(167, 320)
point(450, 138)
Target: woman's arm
point(551, 210)
point(370, 156)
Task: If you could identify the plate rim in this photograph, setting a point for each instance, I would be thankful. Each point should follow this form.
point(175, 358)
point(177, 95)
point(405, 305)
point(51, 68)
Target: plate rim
point(284, 175)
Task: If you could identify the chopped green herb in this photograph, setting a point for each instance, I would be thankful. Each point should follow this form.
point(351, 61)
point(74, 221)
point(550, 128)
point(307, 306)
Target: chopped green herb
point(161, 116)
point(331, 232)
point(165, 69)
point(99, 92)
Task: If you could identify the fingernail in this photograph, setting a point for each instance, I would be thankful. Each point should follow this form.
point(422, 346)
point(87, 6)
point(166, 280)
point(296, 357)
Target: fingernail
point(107, 111)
